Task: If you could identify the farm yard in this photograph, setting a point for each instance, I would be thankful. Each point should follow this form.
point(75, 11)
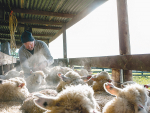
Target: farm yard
point(33, 81)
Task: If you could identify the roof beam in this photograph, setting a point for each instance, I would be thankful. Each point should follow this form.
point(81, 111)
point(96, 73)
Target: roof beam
point(33, 26)
point(44, 13)
point(30, 21)
point(17, 38)
point(42, 35)
point(39, 22)
point(81, 15)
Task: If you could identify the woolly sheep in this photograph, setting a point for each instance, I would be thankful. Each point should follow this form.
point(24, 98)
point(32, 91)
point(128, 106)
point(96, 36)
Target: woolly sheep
point(124, 84)
point(29, 106)
point(83, 72)
point(99, 79)
point(73, 99)
point(36, 79)
point(52, 77)
point(70, 78)
point(13, 89)
point(102, 97)
point(131, 99)
point(12, 74)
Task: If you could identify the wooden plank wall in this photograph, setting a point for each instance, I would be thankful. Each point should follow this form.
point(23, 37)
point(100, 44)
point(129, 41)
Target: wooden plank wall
point(138, 62)
point(6, 63)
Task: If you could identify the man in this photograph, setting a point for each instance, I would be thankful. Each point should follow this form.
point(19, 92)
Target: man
point(34, 54)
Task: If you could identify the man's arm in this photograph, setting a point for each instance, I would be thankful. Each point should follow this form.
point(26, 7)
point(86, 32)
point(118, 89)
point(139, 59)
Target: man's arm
point(24, 62)
point(47, 54)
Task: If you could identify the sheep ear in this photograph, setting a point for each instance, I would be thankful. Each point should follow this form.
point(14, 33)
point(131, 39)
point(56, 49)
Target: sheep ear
point(21, 85)
point(59, 74)
point(147, 86)
point(65, 79)
point(86, 78)
point(110, 88)
point(43, 101)
point(109, 80)
point(123, 86)
point(138, 108)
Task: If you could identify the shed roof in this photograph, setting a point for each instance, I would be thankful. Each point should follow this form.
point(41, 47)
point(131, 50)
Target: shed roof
point(45, 18)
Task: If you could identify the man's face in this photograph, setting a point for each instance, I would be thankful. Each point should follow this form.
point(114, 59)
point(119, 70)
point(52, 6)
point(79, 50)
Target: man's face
point(29, 45)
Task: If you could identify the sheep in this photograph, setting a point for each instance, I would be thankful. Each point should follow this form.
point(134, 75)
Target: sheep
point(73, 99)
point(70, 78)
point(12, 74)
point(124, 84)
point(36, 79)
point(52, 77)
point(29, 105)
point(10, 107)
point(131, 99)
point(99, 79)
point(13, 89)
point(83, 72)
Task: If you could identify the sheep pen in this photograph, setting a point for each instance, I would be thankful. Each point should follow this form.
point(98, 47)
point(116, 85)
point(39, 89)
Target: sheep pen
point(27, 105)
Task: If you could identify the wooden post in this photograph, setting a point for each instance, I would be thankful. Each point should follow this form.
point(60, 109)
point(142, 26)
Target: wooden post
point(65, 44)
point(124, 38)
point(116, 77)
point(6, 68)
point(1, 70)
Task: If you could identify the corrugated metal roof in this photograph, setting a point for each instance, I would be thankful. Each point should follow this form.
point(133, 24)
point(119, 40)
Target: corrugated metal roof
point(40, 23)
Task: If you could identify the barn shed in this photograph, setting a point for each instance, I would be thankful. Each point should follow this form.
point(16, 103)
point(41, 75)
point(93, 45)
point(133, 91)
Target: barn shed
point(47, 19)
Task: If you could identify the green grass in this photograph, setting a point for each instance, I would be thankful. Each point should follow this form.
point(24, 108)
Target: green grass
point(142, 79)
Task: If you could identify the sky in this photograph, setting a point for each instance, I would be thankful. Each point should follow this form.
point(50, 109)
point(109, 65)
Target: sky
point(97, 34)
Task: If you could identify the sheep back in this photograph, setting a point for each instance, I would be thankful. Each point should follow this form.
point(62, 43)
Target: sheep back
point(101, 78)
point(9, 90)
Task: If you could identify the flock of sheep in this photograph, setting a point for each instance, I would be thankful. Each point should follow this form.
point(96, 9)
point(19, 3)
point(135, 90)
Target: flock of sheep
point(65, 90)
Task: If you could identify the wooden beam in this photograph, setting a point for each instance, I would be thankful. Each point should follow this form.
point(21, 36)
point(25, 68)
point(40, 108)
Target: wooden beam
point(19, 40)
point(8, 39)
point(33, 26)
point(6, 59)
point(124, 38)
point(81, 15)
point(45, 27)
point(39, 22)
point(65, 45)
point(44, 13)
point(35, 35)
point(127, 62)
point(43, 35)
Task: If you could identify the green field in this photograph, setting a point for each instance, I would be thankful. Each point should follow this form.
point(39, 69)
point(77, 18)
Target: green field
point(142, 79)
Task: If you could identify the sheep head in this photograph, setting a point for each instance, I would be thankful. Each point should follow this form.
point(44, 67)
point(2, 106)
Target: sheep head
point(134, 94)
point(38, 77)
point(43, 101)
point(69, 80)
